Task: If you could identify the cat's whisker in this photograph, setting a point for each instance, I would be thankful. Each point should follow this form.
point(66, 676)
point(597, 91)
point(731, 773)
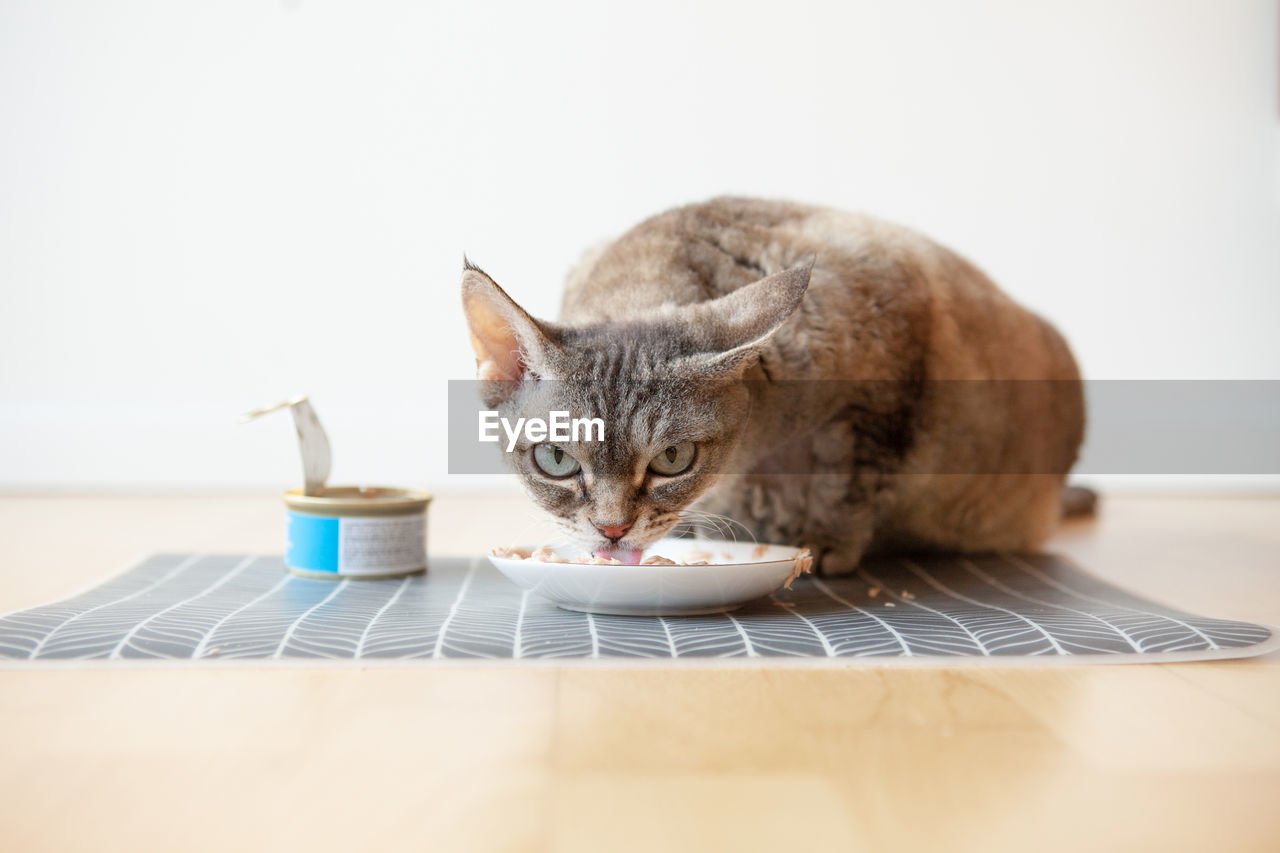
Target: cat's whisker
point(726, 520)
point(722, 522)
point(729, 526)
point(708, 528)
point(715, 525)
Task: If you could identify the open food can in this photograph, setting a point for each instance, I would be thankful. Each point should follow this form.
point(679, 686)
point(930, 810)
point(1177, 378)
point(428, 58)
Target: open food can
point(356, 532)
point(346, 531)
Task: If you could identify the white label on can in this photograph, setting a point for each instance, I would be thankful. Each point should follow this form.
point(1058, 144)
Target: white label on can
point(369, 545)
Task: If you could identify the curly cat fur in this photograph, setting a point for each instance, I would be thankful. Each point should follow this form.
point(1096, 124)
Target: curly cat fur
point(821, 408)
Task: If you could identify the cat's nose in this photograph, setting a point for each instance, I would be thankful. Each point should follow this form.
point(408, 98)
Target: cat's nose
point(613, 531)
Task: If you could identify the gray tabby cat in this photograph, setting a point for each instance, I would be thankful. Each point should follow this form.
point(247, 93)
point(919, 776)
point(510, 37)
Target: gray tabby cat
point(823, 378)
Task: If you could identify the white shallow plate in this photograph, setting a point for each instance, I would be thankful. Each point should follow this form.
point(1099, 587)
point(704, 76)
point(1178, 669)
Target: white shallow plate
point(739, 572)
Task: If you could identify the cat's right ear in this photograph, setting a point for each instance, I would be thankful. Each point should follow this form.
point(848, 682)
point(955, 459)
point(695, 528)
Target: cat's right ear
point(736, 326)
point(508, 343)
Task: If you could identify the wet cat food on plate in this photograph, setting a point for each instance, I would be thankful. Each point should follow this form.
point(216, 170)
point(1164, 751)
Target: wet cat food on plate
point(545, 554)
point(672, 577)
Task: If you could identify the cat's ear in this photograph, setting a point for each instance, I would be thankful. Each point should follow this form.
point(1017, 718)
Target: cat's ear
point(737, 325)
point(508, 342)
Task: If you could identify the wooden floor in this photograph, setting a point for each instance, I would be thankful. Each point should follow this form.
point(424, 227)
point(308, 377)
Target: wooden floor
point(1175, 757)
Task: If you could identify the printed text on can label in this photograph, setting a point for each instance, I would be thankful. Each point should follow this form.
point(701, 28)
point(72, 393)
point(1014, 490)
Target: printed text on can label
point(355, 545)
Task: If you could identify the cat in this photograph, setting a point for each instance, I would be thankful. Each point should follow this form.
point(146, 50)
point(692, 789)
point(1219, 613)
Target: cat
point(819, 378)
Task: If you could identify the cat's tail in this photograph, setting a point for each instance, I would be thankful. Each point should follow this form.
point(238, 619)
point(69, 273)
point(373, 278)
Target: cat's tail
point(1078, 502)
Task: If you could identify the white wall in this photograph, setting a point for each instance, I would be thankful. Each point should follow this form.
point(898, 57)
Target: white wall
point(207, 206)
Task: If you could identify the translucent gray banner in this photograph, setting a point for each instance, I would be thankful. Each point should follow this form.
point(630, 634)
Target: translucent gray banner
point(1177, 427)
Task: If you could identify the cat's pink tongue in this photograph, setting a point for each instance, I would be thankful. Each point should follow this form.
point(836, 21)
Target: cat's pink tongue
point(626, 556)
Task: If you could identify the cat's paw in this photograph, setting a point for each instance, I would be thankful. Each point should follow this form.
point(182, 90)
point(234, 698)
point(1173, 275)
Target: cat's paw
point(833, 563)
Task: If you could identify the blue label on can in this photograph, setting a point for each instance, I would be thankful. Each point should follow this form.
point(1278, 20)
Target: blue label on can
point(311, 542)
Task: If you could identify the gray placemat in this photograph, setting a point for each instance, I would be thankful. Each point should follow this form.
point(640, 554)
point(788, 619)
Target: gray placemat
point(223, 606)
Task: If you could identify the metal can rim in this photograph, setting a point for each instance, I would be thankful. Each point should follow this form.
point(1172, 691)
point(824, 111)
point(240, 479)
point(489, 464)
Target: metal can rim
point(359, 500)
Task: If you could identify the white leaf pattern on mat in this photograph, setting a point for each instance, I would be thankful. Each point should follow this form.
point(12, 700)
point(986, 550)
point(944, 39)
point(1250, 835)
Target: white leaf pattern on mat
point(845, 631)
point(1077, 631)
point(893, 632)
point(550, 632)
point(482, 620)
point(81, 637)
point(1000, 630)
point(158, 637)
point(22, 630)
point(777, 634)
point(1165, 630)
point(666, 630)
point(705, 636)
point(259, 627)
point(332, 635)
point(408, 626)
point(391, 602)
point(932, 631)
point(630, 636)
point(517, 644)
point(228, 606)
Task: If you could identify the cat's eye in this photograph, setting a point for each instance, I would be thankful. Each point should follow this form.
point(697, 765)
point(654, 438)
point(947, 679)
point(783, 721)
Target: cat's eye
point(673, 460)
point(554, 462)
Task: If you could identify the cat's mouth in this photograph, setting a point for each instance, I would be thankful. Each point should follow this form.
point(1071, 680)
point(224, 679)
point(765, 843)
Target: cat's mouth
point(626, 556)
point(630, 550)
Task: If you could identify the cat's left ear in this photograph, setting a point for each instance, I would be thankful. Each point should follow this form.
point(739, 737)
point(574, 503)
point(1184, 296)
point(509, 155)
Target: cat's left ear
point(508, 342)
point(736, 326)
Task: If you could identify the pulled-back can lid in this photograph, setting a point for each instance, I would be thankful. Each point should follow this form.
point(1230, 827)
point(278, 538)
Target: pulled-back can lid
point(358, 500)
